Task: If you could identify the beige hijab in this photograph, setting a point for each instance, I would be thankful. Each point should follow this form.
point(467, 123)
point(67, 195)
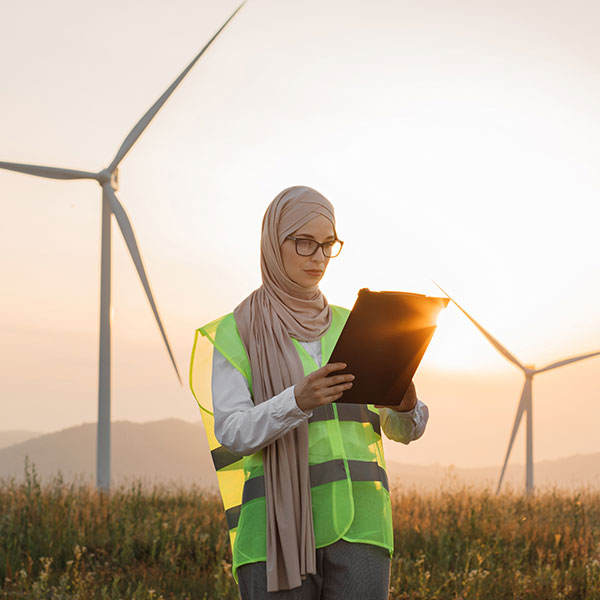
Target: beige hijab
point(277, 311)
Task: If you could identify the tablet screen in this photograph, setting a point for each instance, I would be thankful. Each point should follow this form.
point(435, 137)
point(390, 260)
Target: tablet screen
point(383, 342)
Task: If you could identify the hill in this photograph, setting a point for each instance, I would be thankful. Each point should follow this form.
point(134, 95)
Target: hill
point(176, 451)
point(158, 452)
point(567, 473)
point(8, 438)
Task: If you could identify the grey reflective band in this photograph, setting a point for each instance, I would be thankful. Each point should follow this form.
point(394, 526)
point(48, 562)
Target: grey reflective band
point(223, 458)
point(322, 473)
point(368, 471)
point(253, 488)
point(327, 472)
point(322, 413)
point(233, 516)
point(358, 413)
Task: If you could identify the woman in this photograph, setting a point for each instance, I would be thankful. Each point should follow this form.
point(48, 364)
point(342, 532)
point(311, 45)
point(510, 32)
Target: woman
point(314, 519)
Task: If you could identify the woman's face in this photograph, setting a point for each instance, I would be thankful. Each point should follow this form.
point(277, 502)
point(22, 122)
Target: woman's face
point(307, 271)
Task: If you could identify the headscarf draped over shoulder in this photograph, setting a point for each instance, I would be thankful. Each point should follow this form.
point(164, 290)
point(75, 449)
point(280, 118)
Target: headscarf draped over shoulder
point(267, 320)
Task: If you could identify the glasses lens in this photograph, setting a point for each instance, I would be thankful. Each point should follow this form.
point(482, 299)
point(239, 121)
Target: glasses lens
point(306, 247)
point(333, 249)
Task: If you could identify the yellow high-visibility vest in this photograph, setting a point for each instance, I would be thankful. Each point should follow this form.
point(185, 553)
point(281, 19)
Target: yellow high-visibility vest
point(349, 485)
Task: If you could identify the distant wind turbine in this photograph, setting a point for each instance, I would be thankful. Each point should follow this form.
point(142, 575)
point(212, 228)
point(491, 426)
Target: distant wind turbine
point(525, 404)
point(108, 178)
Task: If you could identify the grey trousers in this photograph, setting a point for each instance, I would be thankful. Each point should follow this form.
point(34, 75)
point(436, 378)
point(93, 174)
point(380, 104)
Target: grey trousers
point(345, 571)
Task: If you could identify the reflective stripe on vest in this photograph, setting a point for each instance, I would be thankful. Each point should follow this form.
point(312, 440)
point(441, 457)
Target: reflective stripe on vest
point(347, 412)
point(319, 474)
point(327, 472)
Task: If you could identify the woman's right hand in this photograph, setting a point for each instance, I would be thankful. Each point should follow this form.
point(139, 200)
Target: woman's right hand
point(317, 388)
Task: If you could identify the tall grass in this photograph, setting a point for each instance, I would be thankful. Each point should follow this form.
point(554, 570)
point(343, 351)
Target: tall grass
point(66, 541)
point(472, 544)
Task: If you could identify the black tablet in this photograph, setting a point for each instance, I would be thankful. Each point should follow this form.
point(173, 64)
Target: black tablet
point(383, 342)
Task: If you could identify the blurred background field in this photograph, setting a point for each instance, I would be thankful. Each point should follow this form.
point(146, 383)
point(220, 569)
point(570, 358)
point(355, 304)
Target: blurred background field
point(62, 540)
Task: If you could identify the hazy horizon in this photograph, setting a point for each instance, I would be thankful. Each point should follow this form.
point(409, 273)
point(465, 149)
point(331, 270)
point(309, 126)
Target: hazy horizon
point(175, 452)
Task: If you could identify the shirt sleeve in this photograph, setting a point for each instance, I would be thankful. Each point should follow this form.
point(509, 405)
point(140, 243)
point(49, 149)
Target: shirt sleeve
point(242, 427)
point(404, 427)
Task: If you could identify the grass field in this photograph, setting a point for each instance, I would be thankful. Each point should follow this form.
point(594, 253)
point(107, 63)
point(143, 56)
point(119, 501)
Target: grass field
point(64, 541)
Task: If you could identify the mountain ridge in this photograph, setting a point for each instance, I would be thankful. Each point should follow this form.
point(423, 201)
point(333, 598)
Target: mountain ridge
point(173, 451)
point(14, 436)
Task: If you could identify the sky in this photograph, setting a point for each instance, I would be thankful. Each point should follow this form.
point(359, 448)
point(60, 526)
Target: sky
point(458, 142)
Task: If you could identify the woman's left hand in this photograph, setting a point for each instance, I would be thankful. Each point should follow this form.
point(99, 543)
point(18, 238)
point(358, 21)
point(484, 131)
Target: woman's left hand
point(409, 400)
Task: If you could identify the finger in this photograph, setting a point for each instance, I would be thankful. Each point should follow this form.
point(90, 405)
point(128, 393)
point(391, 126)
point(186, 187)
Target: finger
point(333, 394)
point(337, 379)
point(330, 368)
point(333, 398)
point(338, 389)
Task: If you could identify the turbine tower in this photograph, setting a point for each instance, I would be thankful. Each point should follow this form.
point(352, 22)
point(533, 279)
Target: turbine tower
point(525, 403)
point(108, 180)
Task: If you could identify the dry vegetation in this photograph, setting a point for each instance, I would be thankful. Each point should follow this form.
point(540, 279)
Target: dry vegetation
point(65, 541)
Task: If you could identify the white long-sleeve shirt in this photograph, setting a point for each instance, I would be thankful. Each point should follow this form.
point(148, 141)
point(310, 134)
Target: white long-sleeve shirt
point(243, 427)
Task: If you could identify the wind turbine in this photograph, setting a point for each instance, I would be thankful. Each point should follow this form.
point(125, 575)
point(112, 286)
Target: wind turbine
point(525, 403)
point(108, 178)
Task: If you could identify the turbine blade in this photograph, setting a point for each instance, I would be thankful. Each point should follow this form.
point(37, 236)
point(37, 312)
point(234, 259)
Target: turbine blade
point(518, 417)
point(48, 172)
point(566, 361)
point(141, 125)
point(127, 231)
point(490, 338)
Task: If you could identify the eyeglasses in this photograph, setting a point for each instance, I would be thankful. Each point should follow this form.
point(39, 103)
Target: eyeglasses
point(306, 247)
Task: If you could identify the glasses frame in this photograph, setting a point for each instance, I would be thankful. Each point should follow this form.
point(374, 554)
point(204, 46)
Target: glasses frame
point(319, 245)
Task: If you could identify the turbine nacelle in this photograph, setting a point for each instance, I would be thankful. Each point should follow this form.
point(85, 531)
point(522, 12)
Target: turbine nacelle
point(106, 177)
